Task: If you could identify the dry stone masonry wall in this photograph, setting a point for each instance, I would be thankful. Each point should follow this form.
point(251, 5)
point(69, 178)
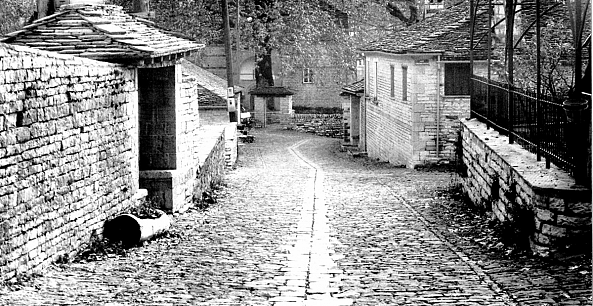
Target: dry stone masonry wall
point(540, 203)
point(68, 153)
point(328, 125)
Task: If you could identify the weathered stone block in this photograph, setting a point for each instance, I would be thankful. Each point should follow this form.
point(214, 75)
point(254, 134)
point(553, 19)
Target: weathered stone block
point(574, 221)
point(553, 230)
point(545, 215)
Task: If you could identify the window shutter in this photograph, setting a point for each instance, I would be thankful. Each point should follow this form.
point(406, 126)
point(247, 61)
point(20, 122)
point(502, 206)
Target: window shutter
point(457, 79)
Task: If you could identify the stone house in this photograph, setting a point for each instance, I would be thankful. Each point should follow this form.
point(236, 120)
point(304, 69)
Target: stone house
point(272, 104)
point(351, 107)
point(167, 107)
point(93, 122)
point(417, 88)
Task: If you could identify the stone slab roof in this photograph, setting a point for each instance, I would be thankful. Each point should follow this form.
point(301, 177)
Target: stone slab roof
point(204, 78)
point(216, 85)
point(446, 32)
point(353, 89)
point(101, 32)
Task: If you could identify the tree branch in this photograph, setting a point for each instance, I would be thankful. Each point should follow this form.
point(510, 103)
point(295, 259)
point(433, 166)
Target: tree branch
point(397, 13)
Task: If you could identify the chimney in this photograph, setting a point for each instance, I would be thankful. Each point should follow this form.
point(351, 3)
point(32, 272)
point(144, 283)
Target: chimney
point(44, 8)
point(141, 7)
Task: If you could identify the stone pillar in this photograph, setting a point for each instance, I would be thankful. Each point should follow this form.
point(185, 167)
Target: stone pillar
point(354, 119)
point(259, 109)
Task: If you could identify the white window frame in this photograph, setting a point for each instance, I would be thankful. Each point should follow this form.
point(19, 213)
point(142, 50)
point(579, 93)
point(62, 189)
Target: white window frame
point(307, 76)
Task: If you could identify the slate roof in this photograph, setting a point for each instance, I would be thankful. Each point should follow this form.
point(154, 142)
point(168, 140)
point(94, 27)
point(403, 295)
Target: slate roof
point(101, 32)
point(353, 89)
point(209, 81)
point(446, 32)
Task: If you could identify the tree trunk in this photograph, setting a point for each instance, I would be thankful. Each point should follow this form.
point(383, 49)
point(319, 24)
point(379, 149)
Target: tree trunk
point(397, 13)
point(264, 75)
point(263, 67)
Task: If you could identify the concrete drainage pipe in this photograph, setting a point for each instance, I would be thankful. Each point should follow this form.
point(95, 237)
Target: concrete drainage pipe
point(131, 230)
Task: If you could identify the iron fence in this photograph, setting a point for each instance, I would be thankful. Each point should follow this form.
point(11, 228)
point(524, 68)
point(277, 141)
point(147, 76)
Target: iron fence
point(539, 126)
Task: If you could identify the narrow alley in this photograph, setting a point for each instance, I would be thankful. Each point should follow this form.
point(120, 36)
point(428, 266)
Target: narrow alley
point(301, 223)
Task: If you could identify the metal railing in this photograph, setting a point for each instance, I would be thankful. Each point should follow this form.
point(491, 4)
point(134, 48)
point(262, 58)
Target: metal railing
point(542, 128)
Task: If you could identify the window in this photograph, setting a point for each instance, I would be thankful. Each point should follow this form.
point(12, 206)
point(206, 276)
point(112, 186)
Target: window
point(247, 72)
point(392, 81)
point(404, 83)
point(457, 78)
point(307, 75)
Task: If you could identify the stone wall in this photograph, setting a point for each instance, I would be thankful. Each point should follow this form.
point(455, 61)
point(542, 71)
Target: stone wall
point(323, 92)
point(389, 118)
point(508, 181)
point(346, 118)
point(328, 125)
point(211, 152)
point(210, 115)
point(262, 112)
point(231, 142)
point(68, 153)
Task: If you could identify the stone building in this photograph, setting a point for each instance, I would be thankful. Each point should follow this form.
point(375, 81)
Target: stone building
point(168, 109)
point(352, 109)
point(92, 128)
point(417, 88)
point(272, 104)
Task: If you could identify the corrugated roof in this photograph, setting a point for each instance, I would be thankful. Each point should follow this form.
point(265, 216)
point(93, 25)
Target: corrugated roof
point(354, 88)
point(446, 32)
point(101, 32)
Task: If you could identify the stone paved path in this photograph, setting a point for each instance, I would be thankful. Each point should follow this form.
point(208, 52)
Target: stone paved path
point(306, 225)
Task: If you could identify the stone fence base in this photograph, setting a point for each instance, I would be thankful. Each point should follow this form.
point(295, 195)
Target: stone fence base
point(176, 190)
point(508, 181)
point(329, 125)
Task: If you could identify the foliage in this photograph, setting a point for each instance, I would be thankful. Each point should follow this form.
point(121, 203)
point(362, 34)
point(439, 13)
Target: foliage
point(305, 33)
point(556, 59)
point(557, 55)
point(14, 14)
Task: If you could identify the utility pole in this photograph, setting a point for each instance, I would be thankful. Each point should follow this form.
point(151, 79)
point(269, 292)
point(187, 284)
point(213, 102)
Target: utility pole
point(229, 62)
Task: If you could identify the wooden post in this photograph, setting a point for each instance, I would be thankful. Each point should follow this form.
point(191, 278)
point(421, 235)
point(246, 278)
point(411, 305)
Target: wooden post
point(229, 53)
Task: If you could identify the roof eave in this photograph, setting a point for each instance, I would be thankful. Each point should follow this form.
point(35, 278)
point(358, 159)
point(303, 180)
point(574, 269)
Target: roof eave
point(409, 53)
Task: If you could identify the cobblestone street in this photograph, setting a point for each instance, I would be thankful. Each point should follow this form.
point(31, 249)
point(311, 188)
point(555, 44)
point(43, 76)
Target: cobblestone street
point(301, 223)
